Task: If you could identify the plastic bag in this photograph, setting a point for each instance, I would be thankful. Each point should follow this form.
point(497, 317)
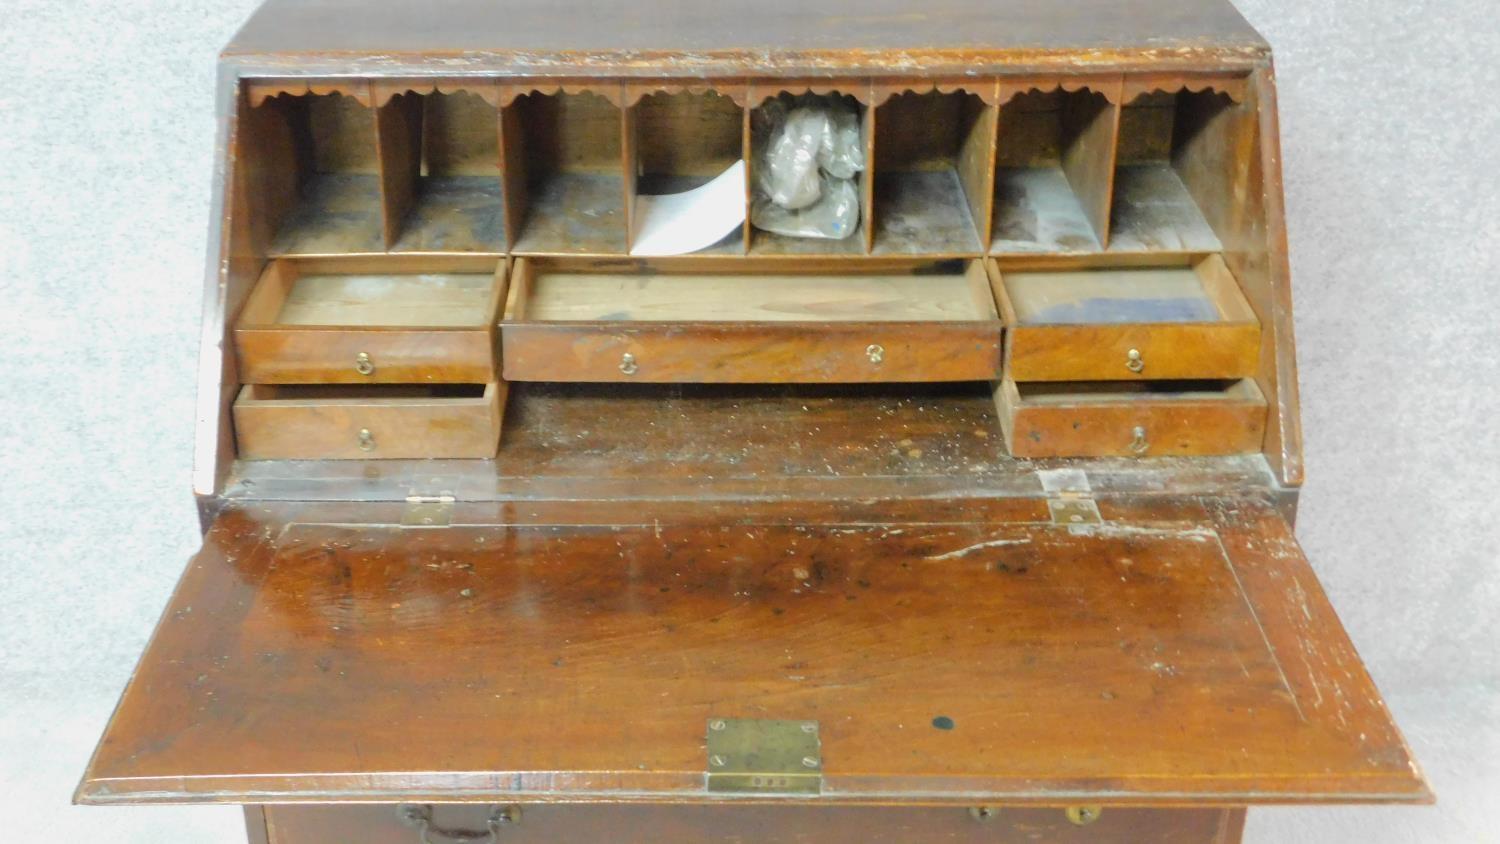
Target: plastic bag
point(808, 161)
point(833, 215)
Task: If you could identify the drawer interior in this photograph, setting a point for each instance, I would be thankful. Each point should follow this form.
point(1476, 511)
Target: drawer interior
point(431, 293)
point(393, 395)
point(552, 291)
point(1044, 393)
point(1202, 292)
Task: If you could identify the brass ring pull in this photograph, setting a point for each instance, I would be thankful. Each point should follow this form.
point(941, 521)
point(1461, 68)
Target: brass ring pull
point(420, 817)
point(983, 814)
point(1134, 362)
point(363, 365)
point(1083, 815)
point(876, 353)
point(366, 439)
point(1139, 443)
point(628, 364)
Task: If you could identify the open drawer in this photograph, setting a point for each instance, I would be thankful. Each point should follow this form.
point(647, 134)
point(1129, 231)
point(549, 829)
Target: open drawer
point(381, 320)
point(1178, 653)
point(1131, 419)
point(703, 321)
point(1159, 322)
point(285, 422)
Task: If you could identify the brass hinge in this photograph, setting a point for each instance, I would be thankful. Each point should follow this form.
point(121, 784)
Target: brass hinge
point(764, 757)
point(428, 511)
point(1070, 498)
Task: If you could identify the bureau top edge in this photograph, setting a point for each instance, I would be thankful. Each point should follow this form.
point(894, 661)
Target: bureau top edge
point(666, 37)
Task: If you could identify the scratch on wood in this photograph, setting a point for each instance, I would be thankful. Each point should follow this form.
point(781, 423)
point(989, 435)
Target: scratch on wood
point(964, 552)
point(1107, 529)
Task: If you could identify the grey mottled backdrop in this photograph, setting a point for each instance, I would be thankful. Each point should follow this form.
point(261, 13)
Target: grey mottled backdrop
point(1392, 148)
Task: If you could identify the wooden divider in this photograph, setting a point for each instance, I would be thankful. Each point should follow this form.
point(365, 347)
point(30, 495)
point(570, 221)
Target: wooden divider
point(1056, 166)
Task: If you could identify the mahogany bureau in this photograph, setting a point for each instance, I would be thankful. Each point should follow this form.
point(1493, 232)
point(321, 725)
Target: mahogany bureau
point(973, 524)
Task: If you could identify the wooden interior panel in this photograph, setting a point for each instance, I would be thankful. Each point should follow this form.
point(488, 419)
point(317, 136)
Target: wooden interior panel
point(1090, 128)
point(268, 179)
point(1167, 679)
point(1160, 131)
point(325, 145)
point(618, 824)
point(687, 136)
point(462, 137)
point(453, 169)
point(572, 156)
point(513, 172)
point(680, 140)
point(1054, 170)
point(1256, 250)
point(341, 136)
point(399, 125)
point(931, 172)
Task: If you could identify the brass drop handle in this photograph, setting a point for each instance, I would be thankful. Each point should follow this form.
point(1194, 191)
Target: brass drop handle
point(420, 817)
point(366, 439)
point(1134, 362)
point(1083, 815)
point(363, 365)
point(1139, 444)
point(628, 364)
point(983, 814)
point(876, 353)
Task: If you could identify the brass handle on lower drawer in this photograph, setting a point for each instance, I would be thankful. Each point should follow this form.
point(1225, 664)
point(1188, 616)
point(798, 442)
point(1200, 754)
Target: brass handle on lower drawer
point(363, 364)
point(1139, 444)
point(420, 817)
point(366, 439)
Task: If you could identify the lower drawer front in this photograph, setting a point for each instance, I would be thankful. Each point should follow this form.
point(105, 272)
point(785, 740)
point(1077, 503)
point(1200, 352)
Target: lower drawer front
point(334, 423)
point(624, 824)
point(1135, 420)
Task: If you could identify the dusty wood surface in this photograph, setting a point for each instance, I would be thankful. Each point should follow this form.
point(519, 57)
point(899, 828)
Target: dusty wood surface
point(1180, 652)
point(882, 36)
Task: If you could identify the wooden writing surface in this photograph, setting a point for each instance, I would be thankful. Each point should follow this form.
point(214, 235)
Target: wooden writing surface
point(1180, 652)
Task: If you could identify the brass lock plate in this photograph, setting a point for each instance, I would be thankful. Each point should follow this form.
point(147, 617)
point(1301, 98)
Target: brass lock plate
point(764, 757)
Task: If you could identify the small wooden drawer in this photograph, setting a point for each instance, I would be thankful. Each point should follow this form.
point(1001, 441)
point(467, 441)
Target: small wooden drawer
point(699, 321)
point(765, 824)
point(1140, 419)
point(1123, 324)
point(381, 320)
point(359, 423)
